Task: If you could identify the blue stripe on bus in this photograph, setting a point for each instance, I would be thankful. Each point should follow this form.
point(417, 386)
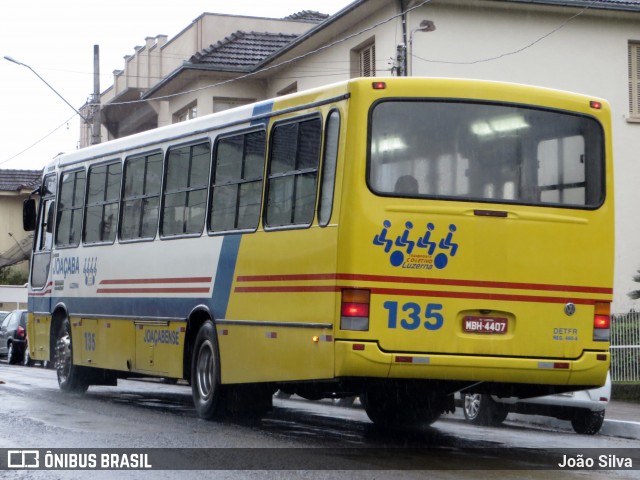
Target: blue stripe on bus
point(160, 306)
point(126, 307)
point(224, 275)
point(261, 109)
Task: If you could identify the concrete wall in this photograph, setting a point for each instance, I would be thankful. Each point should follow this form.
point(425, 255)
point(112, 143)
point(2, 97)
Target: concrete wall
point(12, 297)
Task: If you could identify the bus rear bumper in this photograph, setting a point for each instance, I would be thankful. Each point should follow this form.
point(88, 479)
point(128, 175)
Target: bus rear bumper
point(365, 359)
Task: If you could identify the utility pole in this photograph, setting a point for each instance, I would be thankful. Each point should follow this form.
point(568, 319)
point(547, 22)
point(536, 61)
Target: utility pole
point(95, 101)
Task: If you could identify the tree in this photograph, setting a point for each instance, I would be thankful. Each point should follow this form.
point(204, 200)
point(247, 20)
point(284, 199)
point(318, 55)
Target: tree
point(10, 276)
point(635, 294)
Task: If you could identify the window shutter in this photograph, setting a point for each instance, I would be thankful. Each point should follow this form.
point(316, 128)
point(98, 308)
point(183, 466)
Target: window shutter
point(634, 79)
point(368, 61)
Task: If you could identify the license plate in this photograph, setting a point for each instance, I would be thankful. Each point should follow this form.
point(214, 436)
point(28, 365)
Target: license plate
point(492, 325)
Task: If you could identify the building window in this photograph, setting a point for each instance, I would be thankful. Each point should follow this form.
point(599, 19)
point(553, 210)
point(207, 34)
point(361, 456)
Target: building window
point(140, 200)
point(291, 88)
point(634, 80)
point(186, 113)
point(367, 58)
point(363, 59)
point(185, 191)
point(71, 203)
point(237, 182)
point(293, 173)
point(103, 196)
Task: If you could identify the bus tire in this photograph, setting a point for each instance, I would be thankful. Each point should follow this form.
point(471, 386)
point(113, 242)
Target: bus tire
point(71, 378)
point(206, 389)
point(390, 408)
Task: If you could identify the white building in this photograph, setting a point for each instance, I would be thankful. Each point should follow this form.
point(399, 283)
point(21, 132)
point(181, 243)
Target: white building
point(591, 47)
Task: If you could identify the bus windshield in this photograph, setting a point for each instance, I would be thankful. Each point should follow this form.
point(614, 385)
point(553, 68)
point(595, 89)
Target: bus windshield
point(485, 152)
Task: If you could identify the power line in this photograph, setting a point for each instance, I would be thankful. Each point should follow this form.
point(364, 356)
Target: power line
point(286, 62)
point(38, 141)
point(337, 42)
point(506, 54)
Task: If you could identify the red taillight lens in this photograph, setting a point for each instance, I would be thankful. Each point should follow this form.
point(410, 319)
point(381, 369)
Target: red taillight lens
point(21, 332)
point(601, 322)
point(354, 310)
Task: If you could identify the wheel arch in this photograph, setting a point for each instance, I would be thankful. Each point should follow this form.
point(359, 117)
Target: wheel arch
point(197, 317)
point(60, 313)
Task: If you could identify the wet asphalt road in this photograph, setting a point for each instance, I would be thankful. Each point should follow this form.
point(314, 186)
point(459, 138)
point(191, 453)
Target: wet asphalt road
point(298, 436)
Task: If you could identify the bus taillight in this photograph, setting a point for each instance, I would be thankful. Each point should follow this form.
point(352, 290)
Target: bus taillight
point(601, 322)
point(354, 310)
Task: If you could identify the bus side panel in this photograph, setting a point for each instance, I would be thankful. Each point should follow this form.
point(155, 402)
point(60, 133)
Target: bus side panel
point(159, 348)
point(125, 345)
point(274, 353)
point(284, 279)
point(287, 279)
point(38, 328)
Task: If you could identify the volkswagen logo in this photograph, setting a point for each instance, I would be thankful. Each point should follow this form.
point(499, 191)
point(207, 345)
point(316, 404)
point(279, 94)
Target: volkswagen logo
point(570, 309)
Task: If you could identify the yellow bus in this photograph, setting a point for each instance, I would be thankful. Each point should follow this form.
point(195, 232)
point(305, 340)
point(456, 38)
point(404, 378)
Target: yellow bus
point(400, 239)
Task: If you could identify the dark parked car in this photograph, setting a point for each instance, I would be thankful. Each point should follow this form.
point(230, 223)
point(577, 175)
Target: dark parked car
point(13, 336)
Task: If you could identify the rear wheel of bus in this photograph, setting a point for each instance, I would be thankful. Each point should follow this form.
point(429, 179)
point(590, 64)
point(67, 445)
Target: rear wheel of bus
point(70, 376)
point(205, 373)
point(399, 407)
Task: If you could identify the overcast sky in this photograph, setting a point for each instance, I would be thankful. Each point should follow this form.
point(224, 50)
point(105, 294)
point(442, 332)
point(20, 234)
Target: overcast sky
point(56, 38)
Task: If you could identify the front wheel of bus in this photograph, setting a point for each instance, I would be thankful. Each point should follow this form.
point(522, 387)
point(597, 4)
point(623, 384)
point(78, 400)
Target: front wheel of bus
point(70, 376)
point(205, 373)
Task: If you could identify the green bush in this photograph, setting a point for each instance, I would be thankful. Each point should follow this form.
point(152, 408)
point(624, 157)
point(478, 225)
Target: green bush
point(10, 276)
point(628, 392)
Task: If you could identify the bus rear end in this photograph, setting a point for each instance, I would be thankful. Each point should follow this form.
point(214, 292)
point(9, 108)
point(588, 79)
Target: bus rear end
point(476, 251)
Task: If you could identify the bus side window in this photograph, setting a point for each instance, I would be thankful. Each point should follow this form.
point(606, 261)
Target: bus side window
point(185, 191)
point(103, 199)
point(70, 208)
point(293, 173)
point(332, 136)
point(48, 227)
point(141, 197)
point(237, 182)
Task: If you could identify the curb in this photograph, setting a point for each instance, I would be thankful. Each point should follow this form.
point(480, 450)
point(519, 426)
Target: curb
point(610, 428)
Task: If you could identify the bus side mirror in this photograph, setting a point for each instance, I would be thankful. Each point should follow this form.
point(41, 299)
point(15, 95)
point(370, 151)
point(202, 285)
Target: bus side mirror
point(29, 215)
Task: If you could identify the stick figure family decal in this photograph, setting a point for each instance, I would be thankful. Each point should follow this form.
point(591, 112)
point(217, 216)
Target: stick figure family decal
point(409, 250)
